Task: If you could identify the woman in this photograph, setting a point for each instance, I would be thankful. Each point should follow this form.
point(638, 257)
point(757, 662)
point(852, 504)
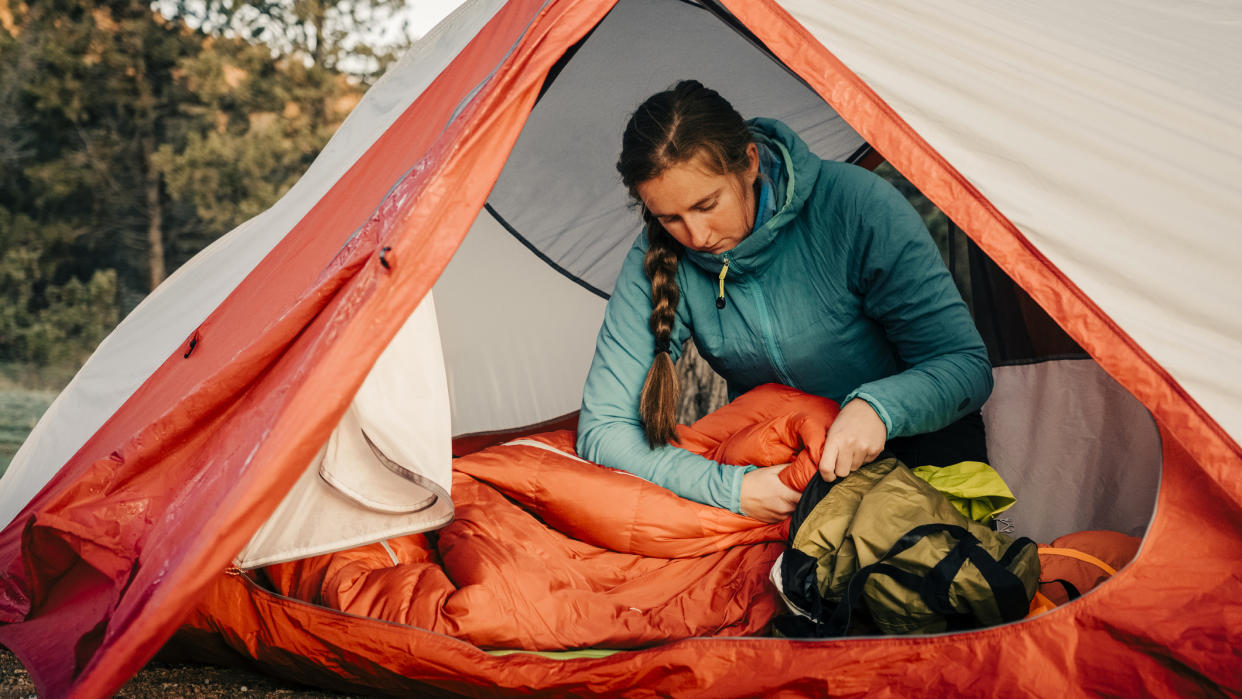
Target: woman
point(784, 268)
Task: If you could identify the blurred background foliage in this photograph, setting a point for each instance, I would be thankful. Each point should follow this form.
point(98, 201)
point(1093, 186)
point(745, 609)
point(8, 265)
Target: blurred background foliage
point(133, 135)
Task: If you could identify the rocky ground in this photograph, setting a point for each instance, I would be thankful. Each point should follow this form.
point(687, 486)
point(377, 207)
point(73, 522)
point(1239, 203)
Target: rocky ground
point(173, 680)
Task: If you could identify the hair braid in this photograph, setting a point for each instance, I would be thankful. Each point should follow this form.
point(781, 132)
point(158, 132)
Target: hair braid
point(684, 122)
point(658, 401)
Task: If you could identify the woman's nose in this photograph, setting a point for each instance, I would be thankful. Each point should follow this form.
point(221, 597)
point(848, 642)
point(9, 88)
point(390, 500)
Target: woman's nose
point(698, 231)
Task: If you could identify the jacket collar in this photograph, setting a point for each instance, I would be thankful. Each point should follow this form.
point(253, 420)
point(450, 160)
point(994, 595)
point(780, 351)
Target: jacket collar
point(778, 178)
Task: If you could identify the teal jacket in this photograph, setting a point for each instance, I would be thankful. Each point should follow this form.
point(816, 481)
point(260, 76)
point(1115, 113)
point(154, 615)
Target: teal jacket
point(841, 292)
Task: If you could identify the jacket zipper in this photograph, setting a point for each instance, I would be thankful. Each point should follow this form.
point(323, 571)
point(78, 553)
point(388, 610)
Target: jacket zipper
point(769, 338)
point(775, 355)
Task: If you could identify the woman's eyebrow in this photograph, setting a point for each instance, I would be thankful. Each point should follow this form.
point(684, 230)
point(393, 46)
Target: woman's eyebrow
point(706, 200)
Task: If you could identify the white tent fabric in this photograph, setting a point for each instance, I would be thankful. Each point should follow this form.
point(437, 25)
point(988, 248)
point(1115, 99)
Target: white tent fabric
point(1109, 133)
point(387, 468)
point(496, 293)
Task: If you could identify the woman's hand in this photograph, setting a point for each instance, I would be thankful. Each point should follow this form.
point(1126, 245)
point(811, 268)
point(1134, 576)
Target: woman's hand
point(855, 437)
point(765, 497)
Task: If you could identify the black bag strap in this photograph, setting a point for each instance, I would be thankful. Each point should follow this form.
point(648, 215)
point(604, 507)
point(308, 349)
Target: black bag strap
point(934, 587)
point(1007, 588)
point(1070, 590)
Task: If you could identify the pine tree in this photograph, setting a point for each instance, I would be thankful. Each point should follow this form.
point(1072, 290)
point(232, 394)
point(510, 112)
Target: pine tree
point(269, 119)
point(98, 98)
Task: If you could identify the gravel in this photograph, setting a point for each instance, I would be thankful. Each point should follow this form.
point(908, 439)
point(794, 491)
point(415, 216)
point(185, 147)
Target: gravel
point(162, 680)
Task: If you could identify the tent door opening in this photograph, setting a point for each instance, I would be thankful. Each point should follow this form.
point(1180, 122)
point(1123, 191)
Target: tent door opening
point(539, 263)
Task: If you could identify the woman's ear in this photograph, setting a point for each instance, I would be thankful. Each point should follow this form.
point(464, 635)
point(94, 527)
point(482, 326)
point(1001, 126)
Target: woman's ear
point(752, 161)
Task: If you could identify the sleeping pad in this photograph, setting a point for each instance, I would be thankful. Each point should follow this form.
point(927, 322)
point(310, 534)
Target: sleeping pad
point(549, 552)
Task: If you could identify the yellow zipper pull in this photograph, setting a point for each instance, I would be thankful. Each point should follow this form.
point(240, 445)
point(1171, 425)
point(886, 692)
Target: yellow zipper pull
point(720, 301)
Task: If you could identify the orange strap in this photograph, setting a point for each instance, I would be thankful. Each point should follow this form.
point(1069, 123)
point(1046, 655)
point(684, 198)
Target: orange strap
point(1075, 553)
point(1040, 604)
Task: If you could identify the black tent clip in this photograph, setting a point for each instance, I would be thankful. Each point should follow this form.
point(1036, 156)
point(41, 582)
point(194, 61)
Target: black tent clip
point(190, 350)
point(384, 257)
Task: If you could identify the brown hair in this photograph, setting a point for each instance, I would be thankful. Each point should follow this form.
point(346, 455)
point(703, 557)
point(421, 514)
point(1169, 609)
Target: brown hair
point(670, 128)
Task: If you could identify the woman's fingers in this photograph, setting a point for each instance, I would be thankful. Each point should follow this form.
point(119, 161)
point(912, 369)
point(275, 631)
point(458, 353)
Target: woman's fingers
point(854, 438)
point(848, 460)
point(828, 462)
point(765, 497)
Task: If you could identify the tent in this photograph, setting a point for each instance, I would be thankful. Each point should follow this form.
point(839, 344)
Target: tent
point(1090, 150)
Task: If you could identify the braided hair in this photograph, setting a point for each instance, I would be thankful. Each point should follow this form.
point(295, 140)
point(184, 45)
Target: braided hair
point(671, 128)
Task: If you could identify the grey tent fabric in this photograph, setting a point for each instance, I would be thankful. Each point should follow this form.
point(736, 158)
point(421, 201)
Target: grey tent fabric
point(567, 150)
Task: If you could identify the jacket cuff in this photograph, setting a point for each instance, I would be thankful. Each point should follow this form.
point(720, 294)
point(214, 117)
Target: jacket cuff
point(739, 471)
point(875, 405)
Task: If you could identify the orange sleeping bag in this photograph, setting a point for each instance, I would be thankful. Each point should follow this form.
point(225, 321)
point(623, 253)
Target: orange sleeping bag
point(547, 551)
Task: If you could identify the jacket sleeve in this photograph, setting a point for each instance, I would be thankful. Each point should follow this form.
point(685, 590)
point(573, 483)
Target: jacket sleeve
point(610, 431)
point(906, 287)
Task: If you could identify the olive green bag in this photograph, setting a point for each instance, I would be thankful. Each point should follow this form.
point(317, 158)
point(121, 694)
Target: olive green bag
point(885, 539)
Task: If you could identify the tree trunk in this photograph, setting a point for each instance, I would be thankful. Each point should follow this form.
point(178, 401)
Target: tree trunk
point(155, 216)
point(151, 175)
point(318, 19)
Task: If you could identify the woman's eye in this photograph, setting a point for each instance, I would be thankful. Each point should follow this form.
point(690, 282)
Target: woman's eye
point(706, 207)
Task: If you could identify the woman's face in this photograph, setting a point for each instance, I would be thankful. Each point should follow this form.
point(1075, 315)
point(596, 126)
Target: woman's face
point(700, 209)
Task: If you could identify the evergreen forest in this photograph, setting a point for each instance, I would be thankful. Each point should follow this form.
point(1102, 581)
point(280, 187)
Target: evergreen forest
point(133, 135)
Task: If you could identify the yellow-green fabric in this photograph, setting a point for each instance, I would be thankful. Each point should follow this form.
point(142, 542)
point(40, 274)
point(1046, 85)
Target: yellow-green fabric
point(973, 488)
point(560, 654)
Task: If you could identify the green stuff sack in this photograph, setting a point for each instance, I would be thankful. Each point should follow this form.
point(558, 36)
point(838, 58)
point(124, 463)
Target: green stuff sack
point(886, 540)
point(974, 488)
